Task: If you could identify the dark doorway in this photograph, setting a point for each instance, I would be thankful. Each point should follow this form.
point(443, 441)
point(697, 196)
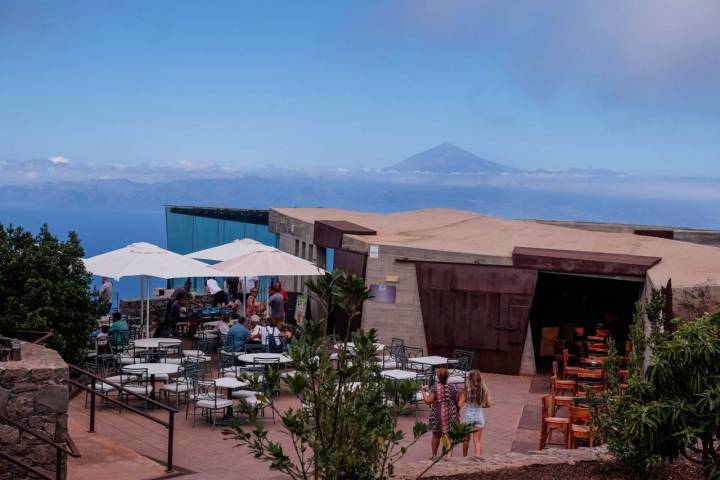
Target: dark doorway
point(564, 301)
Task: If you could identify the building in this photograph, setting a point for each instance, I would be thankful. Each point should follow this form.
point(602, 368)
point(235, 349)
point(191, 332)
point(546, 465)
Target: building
point(446, 279)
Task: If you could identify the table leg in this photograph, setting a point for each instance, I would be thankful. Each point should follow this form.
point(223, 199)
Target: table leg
point(229, 410)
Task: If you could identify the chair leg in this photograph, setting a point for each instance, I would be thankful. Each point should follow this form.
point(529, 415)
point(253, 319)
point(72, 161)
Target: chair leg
point(543, 434)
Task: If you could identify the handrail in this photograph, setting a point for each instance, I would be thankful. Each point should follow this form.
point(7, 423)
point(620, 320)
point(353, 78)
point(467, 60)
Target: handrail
point(170, 424)
point(59, 450)
point(26, 467)
point(42, 340)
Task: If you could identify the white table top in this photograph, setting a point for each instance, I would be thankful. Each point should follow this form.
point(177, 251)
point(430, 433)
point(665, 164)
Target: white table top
point(399, 374)
point(351, 346)
point(433, 360)
point(155, 342)
point(250, 357)
point(155, 368)
point(230, 382)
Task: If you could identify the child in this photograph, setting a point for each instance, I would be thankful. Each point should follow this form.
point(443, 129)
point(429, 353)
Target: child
point(103, 341)
point(475, 397)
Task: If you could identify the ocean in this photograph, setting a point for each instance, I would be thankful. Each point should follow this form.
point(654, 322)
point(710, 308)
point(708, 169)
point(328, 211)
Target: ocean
point(99, 232)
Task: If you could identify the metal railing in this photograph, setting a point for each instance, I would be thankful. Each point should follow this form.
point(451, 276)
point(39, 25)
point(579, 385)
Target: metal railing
point(94, 379)
point(40, 338)
point(59, 450)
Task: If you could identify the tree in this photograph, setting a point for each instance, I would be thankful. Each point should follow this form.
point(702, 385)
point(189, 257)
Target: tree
point(346, 424)
point(44, 287)
point(671, 409)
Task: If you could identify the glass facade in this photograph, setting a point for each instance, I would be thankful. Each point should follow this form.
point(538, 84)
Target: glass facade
point(190, 229)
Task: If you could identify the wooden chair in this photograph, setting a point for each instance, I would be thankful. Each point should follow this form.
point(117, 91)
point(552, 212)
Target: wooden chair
point(602, 332)
point(583, 388)
point(567, 369)
point(595, 338)
point(550, 424)
point(577, 340)
point(559, 401)
point(596, 348)
point(561, 385)
point(593, 359)
point(628, 347)
point(580, 420)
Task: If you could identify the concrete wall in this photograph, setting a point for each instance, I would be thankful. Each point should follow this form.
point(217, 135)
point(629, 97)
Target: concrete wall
point(34, 393)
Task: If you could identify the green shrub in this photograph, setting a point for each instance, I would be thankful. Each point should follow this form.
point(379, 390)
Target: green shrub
point(44, 287)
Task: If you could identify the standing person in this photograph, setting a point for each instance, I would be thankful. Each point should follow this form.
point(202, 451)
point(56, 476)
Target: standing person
point(105, 293)
point(233, 285)
point(217, 293)
point(252, 305)
point(443, 400)
point(248, 283)
point(475, 397)
point(277, 307)
point(278, 288)
point(181, 291)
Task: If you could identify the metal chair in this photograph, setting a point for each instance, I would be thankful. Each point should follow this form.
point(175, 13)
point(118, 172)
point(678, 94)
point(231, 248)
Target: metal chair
point(135, 380)
point(207, 400)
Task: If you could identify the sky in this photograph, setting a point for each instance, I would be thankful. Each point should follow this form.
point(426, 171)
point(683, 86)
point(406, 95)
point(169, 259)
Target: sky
point(624, 85)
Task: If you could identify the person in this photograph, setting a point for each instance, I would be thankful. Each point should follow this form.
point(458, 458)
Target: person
point(237, 336)
point(278, 288)
point(232, 286)
point(252, 306)
point(474, 397)
point(255, 328)
point(248, 283)
point(271, 336)
point(102, 340)
point(181, 292)
point(277, 307)
point(443, 401)
point(219, 297)
point(223, 326)
point(119, 331)
point(105, 293)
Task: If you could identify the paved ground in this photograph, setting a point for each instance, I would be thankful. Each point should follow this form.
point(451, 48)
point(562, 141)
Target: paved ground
point(123, 441)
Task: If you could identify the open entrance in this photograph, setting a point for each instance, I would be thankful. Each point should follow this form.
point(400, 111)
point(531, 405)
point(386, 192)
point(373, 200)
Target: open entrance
point(564, 301)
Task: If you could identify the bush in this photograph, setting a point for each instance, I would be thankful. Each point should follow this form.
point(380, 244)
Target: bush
point(44, 287)
point(673, 409)
point(346, 426)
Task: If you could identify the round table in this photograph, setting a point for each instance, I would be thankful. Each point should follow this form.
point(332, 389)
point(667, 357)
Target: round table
point(230, 383)
point(154, 369)
point(155, 342)
point(250, 357)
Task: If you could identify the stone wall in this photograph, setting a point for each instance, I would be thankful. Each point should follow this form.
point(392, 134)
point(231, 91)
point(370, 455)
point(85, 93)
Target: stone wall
point(34, 393)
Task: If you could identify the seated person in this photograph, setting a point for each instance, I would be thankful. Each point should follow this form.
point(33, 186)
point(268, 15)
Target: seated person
point(271, 336)
point(237, 337)
point(102, 340)
point(119, 331)
point(223, 326)
point(255, 329)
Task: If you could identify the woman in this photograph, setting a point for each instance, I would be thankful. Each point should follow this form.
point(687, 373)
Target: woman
point(475, 397)
point(252, 306)
point(443, 401)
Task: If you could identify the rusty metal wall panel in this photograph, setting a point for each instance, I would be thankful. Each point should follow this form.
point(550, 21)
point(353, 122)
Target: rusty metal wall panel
point(351, 262)
point(570, 261)
point(482, 308)
point(329, 233)
point(655, 232)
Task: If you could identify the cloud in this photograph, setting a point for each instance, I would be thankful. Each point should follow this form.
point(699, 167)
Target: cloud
point(59, 160)
point(645, 52)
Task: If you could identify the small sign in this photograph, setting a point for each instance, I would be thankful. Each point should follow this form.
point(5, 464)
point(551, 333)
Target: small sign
point(383, 293)
point(374, 251)
point(300, 307)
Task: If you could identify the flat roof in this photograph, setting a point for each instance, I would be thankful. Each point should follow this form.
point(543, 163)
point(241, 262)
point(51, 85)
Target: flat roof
point(467, 232)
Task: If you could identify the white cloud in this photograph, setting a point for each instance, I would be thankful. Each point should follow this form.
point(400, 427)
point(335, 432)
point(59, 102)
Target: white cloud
point(59, 160)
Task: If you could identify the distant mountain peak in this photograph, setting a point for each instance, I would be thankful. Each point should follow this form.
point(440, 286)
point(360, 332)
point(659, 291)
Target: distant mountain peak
point(449, 158)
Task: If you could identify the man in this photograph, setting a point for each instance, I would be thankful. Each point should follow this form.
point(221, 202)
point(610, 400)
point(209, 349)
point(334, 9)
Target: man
point(277, 307)
point(217, 293)
point(105, 293)
point(237, 336)
point(179, 293)
point(119, 331)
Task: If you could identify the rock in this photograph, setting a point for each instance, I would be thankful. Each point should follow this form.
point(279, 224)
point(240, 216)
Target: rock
point(52, 398)
point(4, 397)
point(21, 405)
point(9, 435)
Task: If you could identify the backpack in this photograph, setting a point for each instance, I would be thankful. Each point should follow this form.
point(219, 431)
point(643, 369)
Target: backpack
point(273, 344)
